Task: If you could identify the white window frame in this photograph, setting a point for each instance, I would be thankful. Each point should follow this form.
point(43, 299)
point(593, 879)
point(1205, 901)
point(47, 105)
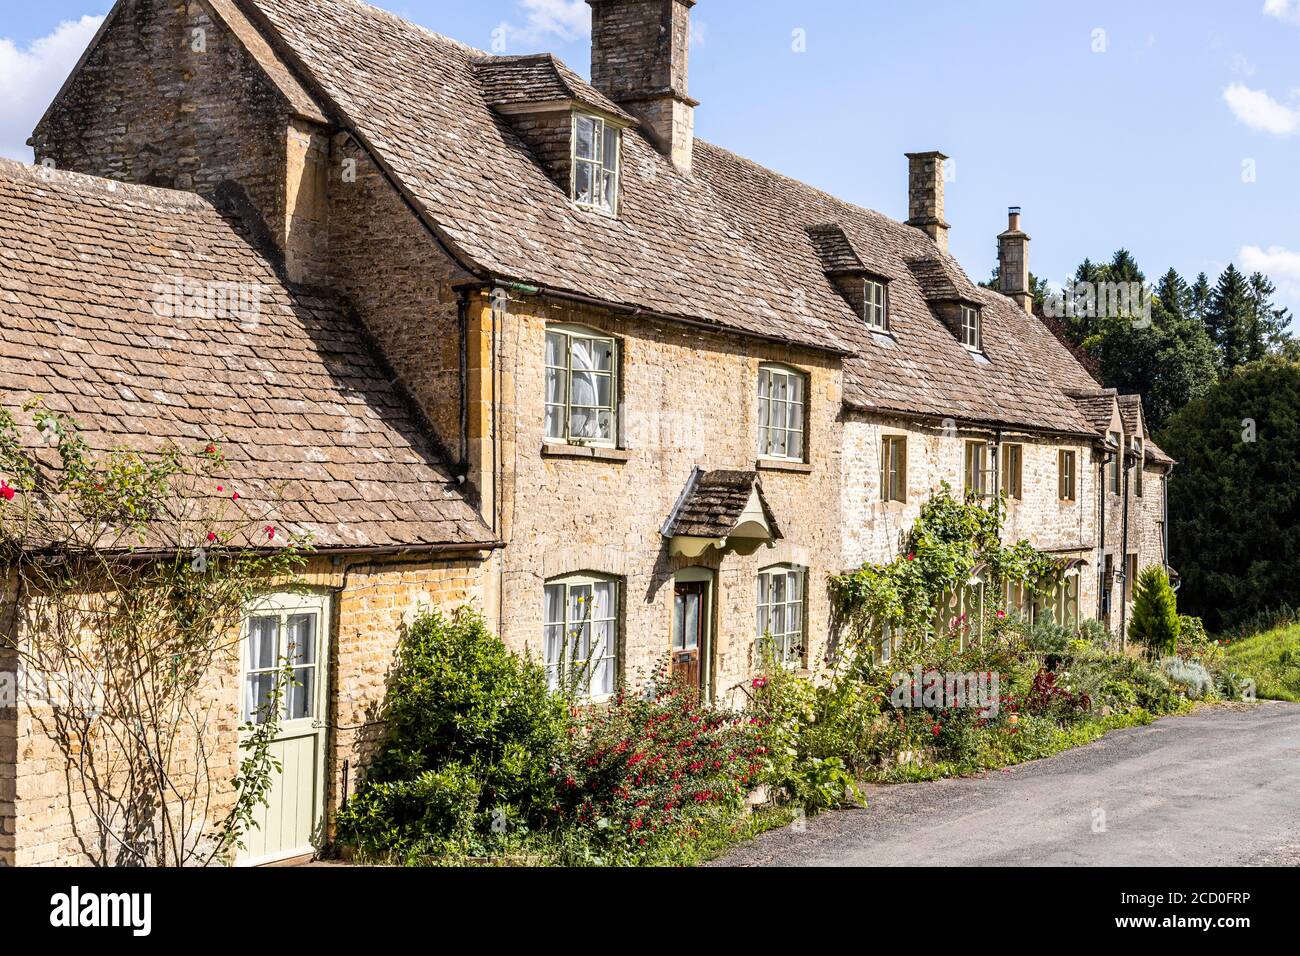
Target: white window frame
point(1013, 479)
point(282, 608)
point(604, 176)
point(893, 468)
point(561, 639)
point(565, 406)
point(790, 643)
point(976, 469)
point(795, 382)
point(875, 305)
point(972, 331)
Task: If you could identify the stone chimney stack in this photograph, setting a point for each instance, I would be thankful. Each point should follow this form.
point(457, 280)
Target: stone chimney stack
point(1013, 262)
point(925, 196)
point(639, 53)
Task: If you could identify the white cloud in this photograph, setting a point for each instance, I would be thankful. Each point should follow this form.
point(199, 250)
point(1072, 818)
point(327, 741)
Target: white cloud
point(1283, 9)
point(567, 20)
point(1260, 111)
point(1281, 265)
point(31, 76)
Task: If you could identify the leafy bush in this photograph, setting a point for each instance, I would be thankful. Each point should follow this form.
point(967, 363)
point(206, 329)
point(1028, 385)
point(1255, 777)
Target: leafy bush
point(473, 735)
point(1050, 696)
point(1048, 637)
point(1155, 621)
point(655, 769)
point(815, 737)
point(1189, 675)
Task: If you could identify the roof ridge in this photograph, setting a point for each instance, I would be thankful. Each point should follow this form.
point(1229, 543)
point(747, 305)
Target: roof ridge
point(99, 187)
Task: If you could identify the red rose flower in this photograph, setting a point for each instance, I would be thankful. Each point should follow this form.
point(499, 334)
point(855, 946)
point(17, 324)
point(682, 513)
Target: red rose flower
point(6, 492)
point(270, 532)
point(212, 536)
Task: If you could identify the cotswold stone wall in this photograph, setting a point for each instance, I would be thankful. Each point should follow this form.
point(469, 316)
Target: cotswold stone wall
point(688, 398)
point(387, 264)
point(8, 723)
point(874, 529)
point(150, 107)
point(45, 818)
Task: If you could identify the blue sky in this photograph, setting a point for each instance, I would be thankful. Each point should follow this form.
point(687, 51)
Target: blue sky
point(1171, 127)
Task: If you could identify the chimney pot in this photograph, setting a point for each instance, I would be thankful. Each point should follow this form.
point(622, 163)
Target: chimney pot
point(925, 195)
point(640, 51)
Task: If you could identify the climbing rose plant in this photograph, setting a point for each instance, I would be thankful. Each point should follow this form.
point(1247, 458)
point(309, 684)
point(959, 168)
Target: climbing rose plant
point(129, 573)
point(950, 539)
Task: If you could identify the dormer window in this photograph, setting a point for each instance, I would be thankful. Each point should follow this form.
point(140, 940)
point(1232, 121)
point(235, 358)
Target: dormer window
point(972, 332)
point(595, 163)
point(874, 309)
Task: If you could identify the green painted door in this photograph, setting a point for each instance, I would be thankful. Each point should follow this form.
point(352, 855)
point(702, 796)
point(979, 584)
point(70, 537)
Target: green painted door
point(293, 629)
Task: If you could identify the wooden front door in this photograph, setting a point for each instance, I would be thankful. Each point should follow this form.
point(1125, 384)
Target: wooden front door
point(288, 631)
point(690, 625)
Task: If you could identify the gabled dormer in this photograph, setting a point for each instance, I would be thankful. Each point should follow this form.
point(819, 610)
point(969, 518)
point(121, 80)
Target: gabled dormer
point(953, 298)
point(864, 285)
point(573, 130)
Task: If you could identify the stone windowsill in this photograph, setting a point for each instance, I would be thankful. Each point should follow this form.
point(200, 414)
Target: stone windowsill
point(598, 452)
point(780, 464)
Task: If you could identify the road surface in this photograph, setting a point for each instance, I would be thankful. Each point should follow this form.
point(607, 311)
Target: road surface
point(1219, 787)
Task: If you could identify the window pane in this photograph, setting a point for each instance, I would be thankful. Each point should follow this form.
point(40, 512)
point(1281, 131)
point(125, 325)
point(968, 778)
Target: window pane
point(553, 642)
point(300, 638)
point(257, 694)
point(555, 422)
point(604, 391)
point(604, 426)
point(611, 148)
point(555, 386)
point(301, 694)
point(602, 352)
point(608, 191)
point(554, 604)
point(585, 138)
point(555, 348)
point(603, 600)
point(263, 642)
point(582, 183)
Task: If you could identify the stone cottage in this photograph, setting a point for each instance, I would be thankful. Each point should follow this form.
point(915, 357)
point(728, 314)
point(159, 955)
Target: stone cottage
point(522, 341)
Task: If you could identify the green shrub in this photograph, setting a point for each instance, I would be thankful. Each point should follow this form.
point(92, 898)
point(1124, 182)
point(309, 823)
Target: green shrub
point(647, 773)
point(1155, 621)
point(1048, 637)
point(816, 737)
point(472, 737)
point(1191, 676)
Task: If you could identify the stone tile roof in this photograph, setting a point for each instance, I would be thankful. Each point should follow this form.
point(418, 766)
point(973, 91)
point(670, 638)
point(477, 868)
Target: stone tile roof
point(725, 246)
point(1130, 409)
point(538, 78)
point(1097, 406)
point(415, 100)
point(284, 381)
point(714, 502)
point(923, 370)
point(941, 279)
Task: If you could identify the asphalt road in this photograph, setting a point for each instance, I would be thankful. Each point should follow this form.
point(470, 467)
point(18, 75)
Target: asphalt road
point(1219, 787)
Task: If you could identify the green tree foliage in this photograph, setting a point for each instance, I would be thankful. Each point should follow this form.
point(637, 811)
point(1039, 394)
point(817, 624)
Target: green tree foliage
point(1234, 501)
point(1155, 623)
